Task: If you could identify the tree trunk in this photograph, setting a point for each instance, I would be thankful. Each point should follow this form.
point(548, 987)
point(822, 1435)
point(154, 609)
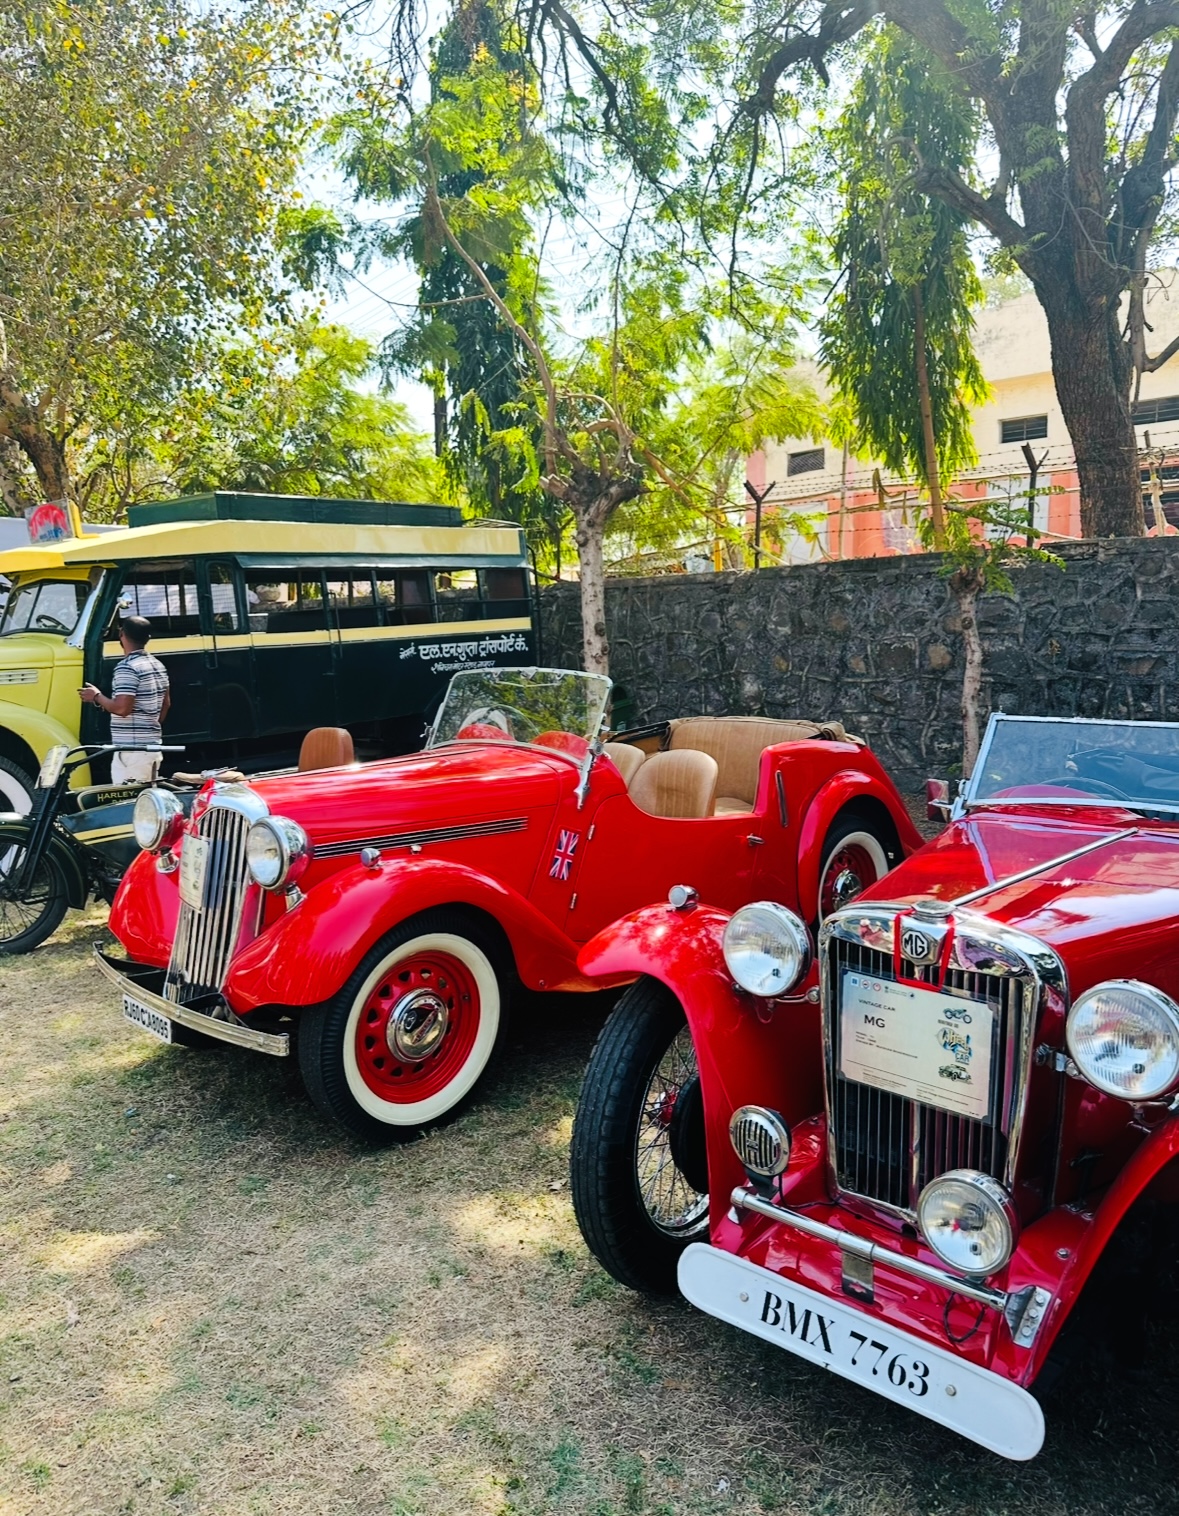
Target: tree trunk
point(966, 584)
point(924, 400)
point(1092, 368)
point(595, 649)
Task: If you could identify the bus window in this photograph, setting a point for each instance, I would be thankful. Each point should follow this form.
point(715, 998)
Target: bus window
point(505, 592)
point(166, 593)
point(457, 595)
point(351, 597)
point(404, 596)
point(223, 596)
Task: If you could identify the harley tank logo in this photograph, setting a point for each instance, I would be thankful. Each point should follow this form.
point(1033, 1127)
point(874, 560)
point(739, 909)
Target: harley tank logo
point(563, 859)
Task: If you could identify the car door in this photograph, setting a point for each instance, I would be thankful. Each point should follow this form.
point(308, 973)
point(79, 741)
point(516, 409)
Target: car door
point(166, 593)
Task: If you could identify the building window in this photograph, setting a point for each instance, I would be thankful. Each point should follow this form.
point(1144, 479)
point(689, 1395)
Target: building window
point(1023, 429)
point(1148, 412)
point(807, 463)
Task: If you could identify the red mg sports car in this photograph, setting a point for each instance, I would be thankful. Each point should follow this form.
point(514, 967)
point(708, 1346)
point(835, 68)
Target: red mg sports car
point(909, 1158)
point(375, 918)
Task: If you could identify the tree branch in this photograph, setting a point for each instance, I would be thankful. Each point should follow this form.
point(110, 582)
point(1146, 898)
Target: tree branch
point(837, 24)
point(950, 187)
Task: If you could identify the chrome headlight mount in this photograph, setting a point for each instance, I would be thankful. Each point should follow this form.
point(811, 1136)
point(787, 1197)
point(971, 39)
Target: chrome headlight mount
point(1123, 1036)
point(969, 1221)
point(277, 853)
point(767, 949)
point(157, 820)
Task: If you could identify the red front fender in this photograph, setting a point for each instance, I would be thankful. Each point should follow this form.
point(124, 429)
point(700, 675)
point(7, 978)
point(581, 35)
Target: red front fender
point(749, 1052)
point(307, 956)
point(844, 789)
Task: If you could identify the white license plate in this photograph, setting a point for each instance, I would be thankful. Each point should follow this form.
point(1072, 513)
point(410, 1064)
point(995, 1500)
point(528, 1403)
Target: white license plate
point(857, 1345)
point(146, 1019)
point(194, 860)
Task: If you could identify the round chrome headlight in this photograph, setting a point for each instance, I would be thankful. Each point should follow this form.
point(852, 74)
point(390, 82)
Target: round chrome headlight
point(156, 820)
point(1124, 1038)
point(767, 948)
point(761, 1140)
point(277, 852)
point(969, 1221)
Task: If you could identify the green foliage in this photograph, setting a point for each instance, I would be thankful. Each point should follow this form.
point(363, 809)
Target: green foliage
point(894, 246)
point(983, 542)
point(147, 152)
point(286, 414)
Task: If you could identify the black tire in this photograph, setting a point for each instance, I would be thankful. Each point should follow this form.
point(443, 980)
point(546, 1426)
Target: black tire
point(870, 847)
point(443, 967)
point(16, 787)
point(26, 922)
point(641, 1079)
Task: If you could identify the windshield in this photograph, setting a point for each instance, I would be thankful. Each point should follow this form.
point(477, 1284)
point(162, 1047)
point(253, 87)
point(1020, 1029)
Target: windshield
point(554, 708)
point(1030, 760)
point(44, 605)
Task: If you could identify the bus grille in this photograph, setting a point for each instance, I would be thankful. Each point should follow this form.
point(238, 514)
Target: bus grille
point(886, 1147)
point(206, 936)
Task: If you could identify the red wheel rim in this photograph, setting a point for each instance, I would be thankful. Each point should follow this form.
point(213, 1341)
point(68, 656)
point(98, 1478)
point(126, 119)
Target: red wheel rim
point(430, 999)
point(850, 870)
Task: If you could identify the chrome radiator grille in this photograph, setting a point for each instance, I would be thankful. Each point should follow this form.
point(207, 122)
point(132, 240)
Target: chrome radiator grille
point(206, 936)
point(886, 1147)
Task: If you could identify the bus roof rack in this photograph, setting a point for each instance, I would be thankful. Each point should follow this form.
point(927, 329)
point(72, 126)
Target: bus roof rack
point(222, 505)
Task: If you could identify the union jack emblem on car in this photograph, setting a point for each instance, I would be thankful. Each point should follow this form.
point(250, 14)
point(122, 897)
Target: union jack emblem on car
point(563, 858)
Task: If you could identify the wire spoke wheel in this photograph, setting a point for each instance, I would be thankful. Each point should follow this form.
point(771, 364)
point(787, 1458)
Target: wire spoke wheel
point(671, 1200)
point(29, 915)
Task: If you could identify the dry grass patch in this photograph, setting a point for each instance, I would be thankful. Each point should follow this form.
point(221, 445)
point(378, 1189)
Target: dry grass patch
point(212, 1302)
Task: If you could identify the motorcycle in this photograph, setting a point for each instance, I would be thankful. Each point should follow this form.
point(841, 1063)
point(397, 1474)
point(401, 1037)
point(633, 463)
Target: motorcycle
point(71, 845)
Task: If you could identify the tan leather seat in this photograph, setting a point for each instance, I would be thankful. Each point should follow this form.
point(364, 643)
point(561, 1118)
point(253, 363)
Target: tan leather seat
point(626, 759)
point(737, 743)
point(676, 784)
point(326, 747)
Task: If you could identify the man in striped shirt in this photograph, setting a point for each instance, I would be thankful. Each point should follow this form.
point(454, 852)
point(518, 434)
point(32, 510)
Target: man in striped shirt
point(138, 702)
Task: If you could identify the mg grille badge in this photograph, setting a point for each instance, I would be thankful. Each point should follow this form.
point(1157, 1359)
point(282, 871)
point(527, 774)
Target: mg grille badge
point(917, 947)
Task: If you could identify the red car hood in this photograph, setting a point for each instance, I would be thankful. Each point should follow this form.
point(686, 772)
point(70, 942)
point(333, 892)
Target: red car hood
point(1112, 903)
point(428, 789)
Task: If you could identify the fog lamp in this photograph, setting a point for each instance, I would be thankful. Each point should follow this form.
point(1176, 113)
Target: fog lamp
point(969, 1221)
point(277, 852)
point(767, 948)
point(761, 1140)
point(156, 820)
point(1124, 1037)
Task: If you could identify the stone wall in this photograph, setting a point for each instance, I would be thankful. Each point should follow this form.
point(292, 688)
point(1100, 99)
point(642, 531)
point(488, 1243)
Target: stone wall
point(877, 644)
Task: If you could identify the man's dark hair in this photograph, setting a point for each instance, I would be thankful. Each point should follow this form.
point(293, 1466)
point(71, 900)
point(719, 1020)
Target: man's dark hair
point(137, 630)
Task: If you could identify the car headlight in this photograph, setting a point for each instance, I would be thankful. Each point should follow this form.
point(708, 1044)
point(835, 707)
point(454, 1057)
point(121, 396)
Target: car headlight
point(969, 1221)
point(767, 948)
point(1124, 1038)
point(157, 819)
point(761, 1140)
point(277, 852)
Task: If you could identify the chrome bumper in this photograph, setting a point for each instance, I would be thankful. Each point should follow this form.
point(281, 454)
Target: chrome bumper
point(121, 973)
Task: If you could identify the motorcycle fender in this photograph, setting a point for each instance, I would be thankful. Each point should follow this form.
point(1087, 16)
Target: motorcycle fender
point(749, 1051)
point(842, 790)
point(77, 885)
point(307, 956)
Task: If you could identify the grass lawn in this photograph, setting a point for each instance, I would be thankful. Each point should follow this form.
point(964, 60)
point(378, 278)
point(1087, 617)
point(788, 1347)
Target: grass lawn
point(210, 1301)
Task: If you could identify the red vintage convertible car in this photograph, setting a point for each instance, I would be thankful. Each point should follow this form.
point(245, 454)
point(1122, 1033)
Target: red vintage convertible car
point(377, 916)
point(916, 1151)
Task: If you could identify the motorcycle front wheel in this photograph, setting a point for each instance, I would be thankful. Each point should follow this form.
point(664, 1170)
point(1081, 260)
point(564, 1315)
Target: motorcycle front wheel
point(28, 916)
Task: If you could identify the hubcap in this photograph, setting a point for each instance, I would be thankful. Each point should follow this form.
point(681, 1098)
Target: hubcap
point(849, 872)
point(846, 886)
point(417, 1026)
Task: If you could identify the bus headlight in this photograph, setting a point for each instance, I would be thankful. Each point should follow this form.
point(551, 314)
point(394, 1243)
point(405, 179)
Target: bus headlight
point(277, 852)
point(968, 1220)
point(1124, 1037)
point(767, 948)
point(156, 820)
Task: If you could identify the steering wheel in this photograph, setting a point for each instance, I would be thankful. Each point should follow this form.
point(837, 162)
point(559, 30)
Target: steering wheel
point(1091, 786)
point(50, 623)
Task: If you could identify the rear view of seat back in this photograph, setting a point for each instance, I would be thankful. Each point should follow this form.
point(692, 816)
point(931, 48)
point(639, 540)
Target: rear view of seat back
point(326, 747)
point(681, 785)
point(737, 743)
point(626, 759)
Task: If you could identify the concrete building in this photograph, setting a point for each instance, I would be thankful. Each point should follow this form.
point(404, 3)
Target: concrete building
point(841, 495)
